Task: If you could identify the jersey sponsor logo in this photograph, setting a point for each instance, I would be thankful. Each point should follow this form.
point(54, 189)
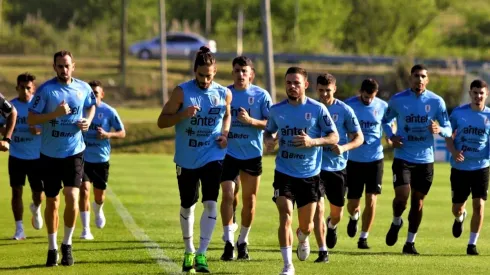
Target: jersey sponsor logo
point(237, 135)
point(203, 121)
point(417, 118)
point(308, 116)
point(470, 130)
point(289, 155)
point(190, 132)
point(427, 108)
point(469, 149)
point(74, 110)
point(195, 143)
point(94, 126)
point(21, 120)
point(236, 111)
point(286, 131)
point(60, 134)
point(415, 138)
point(335, 117)
point(17, 139)
point(251, 100)
point(366, 124)
point(214, 111)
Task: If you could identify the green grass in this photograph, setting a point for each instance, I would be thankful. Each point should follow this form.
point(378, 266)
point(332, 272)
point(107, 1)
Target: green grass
point(147, 187)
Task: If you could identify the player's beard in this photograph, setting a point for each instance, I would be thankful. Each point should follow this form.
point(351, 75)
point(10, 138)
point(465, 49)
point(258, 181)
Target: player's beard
point(63, 78)
point(293, 97)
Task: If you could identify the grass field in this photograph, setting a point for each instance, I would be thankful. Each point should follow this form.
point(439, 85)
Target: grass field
point(146, 187)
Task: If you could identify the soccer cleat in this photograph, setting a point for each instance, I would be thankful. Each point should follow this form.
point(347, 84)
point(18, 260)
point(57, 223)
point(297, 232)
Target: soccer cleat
point(409, 248)
point(66, 255)
point(86, 234)
point(471, 250)
point(303, 250)
point(228, 253)
point(392, 236)
point(242, 251)
point(99, 216)
point(331, 235)
point(458, 226)
point(188, 264)
point(287, 270)
point(202, 263)
point(37, 218)
point(52, 258)
point(362, 244)
point(352, 228)
point(19, 234)
point(322, 257)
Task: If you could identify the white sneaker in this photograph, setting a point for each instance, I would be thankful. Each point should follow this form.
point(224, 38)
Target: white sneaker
point(287, 270)
point(37, 218)
point(86, 234)
point(19, 235)
point(99, 216)
point(303, 250)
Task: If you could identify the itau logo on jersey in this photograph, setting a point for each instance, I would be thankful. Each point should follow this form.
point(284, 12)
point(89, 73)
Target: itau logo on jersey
point(251, 100)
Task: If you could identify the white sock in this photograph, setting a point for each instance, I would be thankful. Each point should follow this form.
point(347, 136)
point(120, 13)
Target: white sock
point(19, 225)
point(98, 207)
point(473, 238)
point(411, 237)
point(301, 236)
point(287, 255)
point(461, 217)
point(323, 248)
point(52, 241)
point(330, 225)
point(68, 235)
point(85, 217)
point(355, 217)
point(208, 221)
point(243, 237)
point(397, 220)
point(228, 234)
point(364, 235)
point(187, 227)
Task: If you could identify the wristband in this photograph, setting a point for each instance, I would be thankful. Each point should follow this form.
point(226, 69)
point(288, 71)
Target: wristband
point(8, 140)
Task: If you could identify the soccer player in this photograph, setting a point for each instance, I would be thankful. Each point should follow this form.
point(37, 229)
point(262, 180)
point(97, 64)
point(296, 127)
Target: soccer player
point(200, 111)
point(96, 158)
point(303, 126)
point(469, 147)
point(58, 105)
point(249, 111)
point(334, 161)
point(365, 164)
point(9, 113)
point(415, 110)
point(24, 158)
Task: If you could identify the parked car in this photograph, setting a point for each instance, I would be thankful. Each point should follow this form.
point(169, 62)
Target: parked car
point(179, 44)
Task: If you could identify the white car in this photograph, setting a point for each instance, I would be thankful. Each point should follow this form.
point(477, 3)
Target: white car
point(179, 44)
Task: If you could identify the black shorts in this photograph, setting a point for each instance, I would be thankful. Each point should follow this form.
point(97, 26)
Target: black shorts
point(232, 167)
point(334, 186)
point(59, 172)
point(418, 175)
point(20, 168)
point(96, 173)
point(189, 181)
point(301, 191)
point(465, 182)
point(364, 173)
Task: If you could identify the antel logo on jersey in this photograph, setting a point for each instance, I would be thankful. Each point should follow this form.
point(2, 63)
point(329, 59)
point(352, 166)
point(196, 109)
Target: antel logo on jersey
point(286, 131)
point(203, 121)
point(474, 131)
point(416, 118)
point(307, 116)
point(251, 100)
point(427, 108)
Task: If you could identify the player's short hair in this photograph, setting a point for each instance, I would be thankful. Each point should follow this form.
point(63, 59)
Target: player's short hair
point(418, 67)
point(297, 70)
point(62, 54)
point(369, 86)
point(326, 79)
point(204, 57)
point(478, 83)
point(242, 61)
point(25, 77)
point(95, 83)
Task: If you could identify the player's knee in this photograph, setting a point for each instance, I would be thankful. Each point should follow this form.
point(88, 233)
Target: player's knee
point(186, 212)
point(52, 202)
point(210, 207)
point(227, 194)
point(306, 228)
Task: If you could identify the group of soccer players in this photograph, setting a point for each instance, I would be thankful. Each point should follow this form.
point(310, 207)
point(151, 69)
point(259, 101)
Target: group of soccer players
point(58, 137)
point(326, 148)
